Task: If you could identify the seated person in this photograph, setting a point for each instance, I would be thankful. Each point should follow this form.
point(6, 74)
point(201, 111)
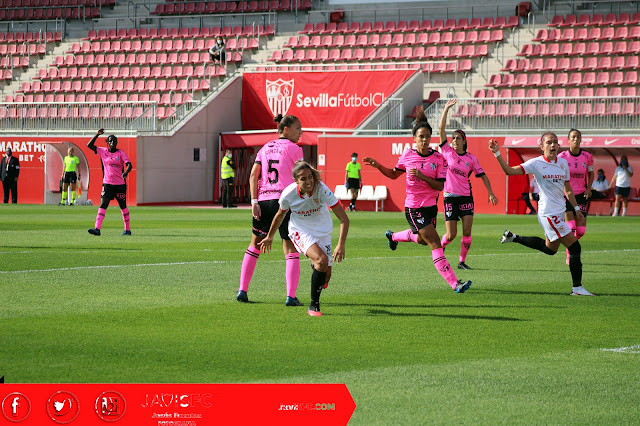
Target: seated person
point(600, 186)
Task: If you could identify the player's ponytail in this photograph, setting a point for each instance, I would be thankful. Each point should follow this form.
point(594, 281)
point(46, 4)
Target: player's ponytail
point(421, 122)
point(285, 121)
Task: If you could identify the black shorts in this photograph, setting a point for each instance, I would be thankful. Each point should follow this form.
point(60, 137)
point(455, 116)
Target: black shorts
point(624, 192)
point(70, 177)
point(269, 208)
point(109, 192)
point(456, 207)
point(421, 217)
point(581, 199)
point(353, 183)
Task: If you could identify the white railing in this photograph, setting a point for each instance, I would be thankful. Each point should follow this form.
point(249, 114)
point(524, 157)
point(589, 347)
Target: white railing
point(501, 114)
point(54, 117)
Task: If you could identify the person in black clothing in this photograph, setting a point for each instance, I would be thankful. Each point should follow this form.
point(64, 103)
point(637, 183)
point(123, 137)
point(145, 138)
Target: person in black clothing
point(9, 171)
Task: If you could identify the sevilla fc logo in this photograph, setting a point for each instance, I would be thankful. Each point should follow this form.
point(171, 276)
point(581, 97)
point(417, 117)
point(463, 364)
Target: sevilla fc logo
point(279, 96)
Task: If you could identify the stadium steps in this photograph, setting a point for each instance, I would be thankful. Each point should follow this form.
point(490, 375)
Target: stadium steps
point(32, 72)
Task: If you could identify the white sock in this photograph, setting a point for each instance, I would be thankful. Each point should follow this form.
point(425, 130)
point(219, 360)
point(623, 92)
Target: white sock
point(624, 211)
point(615, 211)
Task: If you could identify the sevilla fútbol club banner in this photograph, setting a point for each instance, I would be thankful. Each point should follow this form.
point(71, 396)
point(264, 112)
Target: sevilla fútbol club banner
point(338, 100)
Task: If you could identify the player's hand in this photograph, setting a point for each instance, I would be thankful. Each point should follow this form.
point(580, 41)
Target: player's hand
point(450, 103)
point(493, 199)
point(346, 185)
point(265, 244)
point(579, 215)
point(100, 131)
point(416, 173)
point(124, 175)
point(360, 184)
point(493, 145)
point(256, 211)
point(588, 193)
point(338, 253)
point(370, 162)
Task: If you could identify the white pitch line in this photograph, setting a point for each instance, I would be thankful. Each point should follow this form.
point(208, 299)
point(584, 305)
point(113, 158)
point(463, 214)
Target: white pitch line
point(626, 349)
point(24, 271)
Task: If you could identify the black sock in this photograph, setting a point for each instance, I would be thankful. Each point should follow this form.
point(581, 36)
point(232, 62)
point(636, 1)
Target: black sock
point(575, 264)
point(535, 243)
point(317, 282)
point(353, 202)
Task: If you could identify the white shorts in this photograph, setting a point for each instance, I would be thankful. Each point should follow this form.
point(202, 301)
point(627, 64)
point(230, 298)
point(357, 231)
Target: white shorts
point(303, 241)
point(554, 226)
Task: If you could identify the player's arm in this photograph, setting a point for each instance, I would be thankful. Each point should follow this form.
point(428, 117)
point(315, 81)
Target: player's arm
point(128, 166)
point(92, 143)
point(346, 177)
point(390, 173)
point(589, 182)
point(443, 120)
point(339, 251)
point(508, 170)
point(492, 197)
point(612, 184)
point(265, 244)
point(256, 170)
point(568, 192)
point(437, 184)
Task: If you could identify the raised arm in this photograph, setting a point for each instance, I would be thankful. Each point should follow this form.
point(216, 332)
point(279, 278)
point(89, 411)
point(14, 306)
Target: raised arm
point(92, 143)
point(508, 170)
point(443, 120)
point(390, 173)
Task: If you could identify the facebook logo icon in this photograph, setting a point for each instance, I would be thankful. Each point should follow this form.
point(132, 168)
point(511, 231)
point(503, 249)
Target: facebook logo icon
point(16, 407)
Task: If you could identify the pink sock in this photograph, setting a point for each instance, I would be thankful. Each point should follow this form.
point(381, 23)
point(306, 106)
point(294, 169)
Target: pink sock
point(100, 217)
point(580, 231)
point(464, 248)
point(125, 219)
point(444, 242)
point(292, 273)
point(248, 265)
point(405, 236)
point(572, 225)
point(442, 265)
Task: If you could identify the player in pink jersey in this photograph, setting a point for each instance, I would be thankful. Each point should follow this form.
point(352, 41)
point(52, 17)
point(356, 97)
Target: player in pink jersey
point(425, 171)
point(115, 167)
point(552, 175)
point(581, 168)
point(270, 175)
point(458, 197)
point(310, 226)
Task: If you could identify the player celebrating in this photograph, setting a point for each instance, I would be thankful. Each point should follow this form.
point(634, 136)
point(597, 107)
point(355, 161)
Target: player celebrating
point(114, 184)
point(552, 174)
point(458, 199)
point(270, 175)
point(310, 226)
point(426, 170)
point(581, 169)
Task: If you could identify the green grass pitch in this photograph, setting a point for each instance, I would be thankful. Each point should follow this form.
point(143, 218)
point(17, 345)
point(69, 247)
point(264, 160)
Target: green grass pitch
point(159, 307)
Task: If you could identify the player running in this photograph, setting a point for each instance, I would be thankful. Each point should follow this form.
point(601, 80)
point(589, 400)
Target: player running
point(552, 174)
point(115, 167)
point(426, 170)
point(270, 175)
point(581, 169)
point(458, 197)
point(310, 226)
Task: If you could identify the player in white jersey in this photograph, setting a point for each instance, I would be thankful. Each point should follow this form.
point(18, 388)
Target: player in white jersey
point(552, 174)
point(310, 226)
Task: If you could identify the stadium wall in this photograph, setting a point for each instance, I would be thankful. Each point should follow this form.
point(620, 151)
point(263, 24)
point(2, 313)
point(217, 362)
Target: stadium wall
point(171, 172)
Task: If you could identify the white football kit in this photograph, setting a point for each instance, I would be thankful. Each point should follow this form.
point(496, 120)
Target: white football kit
point(310, 221)
point(551, 177)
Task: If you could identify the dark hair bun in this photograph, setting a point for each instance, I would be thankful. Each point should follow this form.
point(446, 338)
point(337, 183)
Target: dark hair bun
point(278, 118)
